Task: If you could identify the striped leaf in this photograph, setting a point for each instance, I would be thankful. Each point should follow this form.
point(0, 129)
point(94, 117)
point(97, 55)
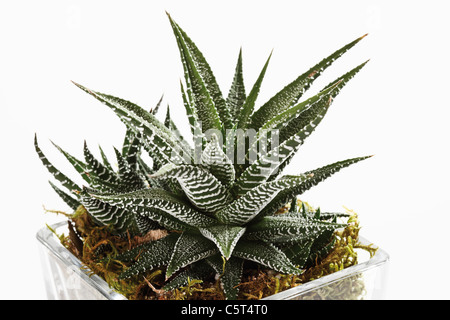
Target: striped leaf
point(299, 252)
point(160, 206)
point(281, 228)
point(302, 119)
point(105, 214)
point(105, 160)
point(151, 255)
point(58, 175)
point(156, 138)
point(131, 148)
point(130, 179)
point(318, 175)
point(236, 95)
point(154, 110)
point(217, 163)
point(188, 249)
point(230, 274)
point(266, 254)
point(253, 202)
point(168, 122)
point(69, 200)
point(249, 104)
point(100, 177)
point(197, 84)
point(269, 164)
point(291, 93)
point(203, 189)
point(79, 166)
point(224, 236)
point(283, 120)
point(194, 62)
point(197, 270)
point(194, 122)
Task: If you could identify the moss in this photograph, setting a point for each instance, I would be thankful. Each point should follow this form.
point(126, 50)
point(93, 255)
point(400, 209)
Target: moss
point(100, 246)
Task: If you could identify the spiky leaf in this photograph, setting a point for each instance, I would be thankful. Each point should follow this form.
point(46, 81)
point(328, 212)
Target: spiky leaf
point(236, 95)
point(188, 249)
point(62, 178)
point(303, 118)
point(291, 93)
point(158, 205)
point(282, 228)
point(217, 163)
point(192, 54)
point(106, 214)
point(250, 205)
point(224, 236)
point(151, 255)
point(230, 273)
point(156, 138)
point(266, 254)
point(201, 187)
point(69, 200)
point(318, 175)
point(260, 170)
point(249, 104)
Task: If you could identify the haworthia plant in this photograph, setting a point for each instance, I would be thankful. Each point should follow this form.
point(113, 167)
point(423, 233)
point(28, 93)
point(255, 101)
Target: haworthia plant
point(221, 212)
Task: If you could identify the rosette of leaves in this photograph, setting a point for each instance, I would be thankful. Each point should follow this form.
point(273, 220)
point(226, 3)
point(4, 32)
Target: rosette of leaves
point(222, 214)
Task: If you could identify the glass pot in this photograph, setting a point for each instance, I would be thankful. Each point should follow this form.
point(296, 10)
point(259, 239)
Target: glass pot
point(66, 279)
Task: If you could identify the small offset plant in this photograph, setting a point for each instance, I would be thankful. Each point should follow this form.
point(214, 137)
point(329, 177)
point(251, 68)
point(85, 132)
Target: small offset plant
point(221, 202)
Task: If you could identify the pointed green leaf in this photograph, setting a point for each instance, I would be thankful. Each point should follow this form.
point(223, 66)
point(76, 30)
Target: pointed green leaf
point(249, 104)
point(156, 138)
point(79, 166)
point(253, 202)
point(266, 254)
point(269, 164)
point(62, 178)
point(130, 179)
point(197, 270)
point(303, 118)
point(160, 206)
point(100, 177)
point(299, 252)
point(217, 163)
point(168, 122)
point(224, 236)
point(151, 255)
point(282, 228)
point(189, 249)
point(199, 95)
point(290, 94)
point(121, 219)
point(201, 187)
point(318, 175)
point(156, 108)
point(191, 52)
point(105, 160)
point(193, 118)
point(230, 274)
point(236, 95)
point(284, 119)
point(70, 201)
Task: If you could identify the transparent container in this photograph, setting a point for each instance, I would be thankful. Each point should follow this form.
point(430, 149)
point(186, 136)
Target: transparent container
point(67, 279)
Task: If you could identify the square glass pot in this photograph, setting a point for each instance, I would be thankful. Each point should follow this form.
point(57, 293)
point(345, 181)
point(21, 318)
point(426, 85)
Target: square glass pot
point(66, 278)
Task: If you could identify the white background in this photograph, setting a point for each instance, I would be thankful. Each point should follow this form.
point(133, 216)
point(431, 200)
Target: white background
point(396, 108)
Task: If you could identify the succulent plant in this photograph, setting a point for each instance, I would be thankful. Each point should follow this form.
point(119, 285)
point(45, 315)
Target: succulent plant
point(220, 197)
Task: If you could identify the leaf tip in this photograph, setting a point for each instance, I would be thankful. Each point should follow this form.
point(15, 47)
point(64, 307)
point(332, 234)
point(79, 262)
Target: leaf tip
point(362, 37)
